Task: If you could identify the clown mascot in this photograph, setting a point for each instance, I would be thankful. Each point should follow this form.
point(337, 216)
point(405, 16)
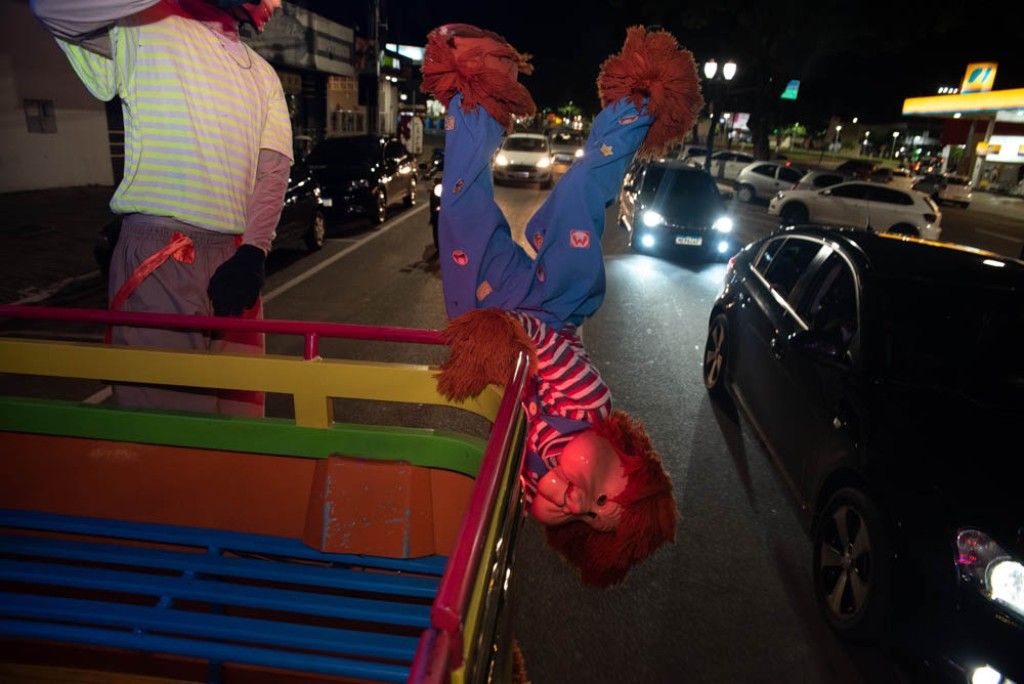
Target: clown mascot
point(591, 475)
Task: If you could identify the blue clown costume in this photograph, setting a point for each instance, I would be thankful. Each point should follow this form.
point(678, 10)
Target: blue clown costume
point(501, 300)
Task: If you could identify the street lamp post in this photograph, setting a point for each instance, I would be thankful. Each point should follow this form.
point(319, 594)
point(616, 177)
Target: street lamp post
point(710, 70)
point(895, 134)
point(864, 145)
point(835, 142)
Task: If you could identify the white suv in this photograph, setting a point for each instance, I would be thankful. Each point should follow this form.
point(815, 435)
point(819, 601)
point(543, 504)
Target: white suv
point(861, 205)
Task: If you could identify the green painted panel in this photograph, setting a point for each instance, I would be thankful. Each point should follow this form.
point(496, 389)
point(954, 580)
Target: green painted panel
point(276, 436)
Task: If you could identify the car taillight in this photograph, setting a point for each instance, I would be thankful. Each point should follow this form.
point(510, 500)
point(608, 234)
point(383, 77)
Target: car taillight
point(930, 218)
point(730, 266)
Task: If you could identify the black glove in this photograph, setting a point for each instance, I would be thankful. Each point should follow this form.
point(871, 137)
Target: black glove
point(237, 282)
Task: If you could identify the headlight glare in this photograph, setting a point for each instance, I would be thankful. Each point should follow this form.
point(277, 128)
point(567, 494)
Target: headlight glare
point(501, 160)
point(990, 569)
point(359, 183)
point(578, 153)
point(543, 162)
point(723, 224)
point(652, 219)
point(437, 190)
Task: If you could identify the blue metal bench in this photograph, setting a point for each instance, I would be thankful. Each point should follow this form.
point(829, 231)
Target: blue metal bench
point(201, 593)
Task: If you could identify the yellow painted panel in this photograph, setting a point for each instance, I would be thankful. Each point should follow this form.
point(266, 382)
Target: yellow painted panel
point(992, 101)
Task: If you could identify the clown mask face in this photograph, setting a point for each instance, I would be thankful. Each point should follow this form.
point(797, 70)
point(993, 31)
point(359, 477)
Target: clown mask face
point(582, 486)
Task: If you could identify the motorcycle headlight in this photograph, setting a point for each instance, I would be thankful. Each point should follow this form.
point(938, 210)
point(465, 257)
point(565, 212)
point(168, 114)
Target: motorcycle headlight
point(437, 190)
point(358, 183)
point(543, 162)
point(578, 153)
point(501, 160)
point(723, 224)
point(652, 218)
point(991, 570)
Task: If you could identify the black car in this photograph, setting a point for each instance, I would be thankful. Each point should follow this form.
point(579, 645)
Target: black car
point(363, 175)
point(433, 172)
point(303, 220)
point(668, 205)
point(885, 377)
point(858, 168)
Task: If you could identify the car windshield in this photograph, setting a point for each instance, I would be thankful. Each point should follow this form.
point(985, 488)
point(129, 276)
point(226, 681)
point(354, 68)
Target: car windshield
point(680, 192)
point(524, 144)
point(950, 332)
point(567, 139)
point(955, 180)
point(346, 151)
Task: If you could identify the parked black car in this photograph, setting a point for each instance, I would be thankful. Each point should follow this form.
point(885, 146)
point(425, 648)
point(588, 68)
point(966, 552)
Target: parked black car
point(885, 377)
point(363, 175)
point(436, 171)
point(303, 220)
point(668, 205)
point(858, 168)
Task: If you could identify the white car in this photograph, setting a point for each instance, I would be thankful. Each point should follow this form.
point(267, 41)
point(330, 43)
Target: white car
point(861, 204)
point(724, 164)
point(895, 178)
point(957, 190)
point(524, 157)
point(763, 179)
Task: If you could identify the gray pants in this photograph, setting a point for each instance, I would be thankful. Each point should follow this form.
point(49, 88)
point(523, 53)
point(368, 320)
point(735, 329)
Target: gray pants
point(179, 288)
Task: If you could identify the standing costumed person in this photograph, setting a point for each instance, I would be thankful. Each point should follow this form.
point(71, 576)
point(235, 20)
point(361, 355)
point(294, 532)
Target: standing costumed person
point(591, 474)
point(208, 147)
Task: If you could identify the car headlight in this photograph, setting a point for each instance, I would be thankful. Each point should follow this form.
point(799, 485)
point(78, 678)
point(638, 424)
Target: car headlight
point(437, 190)
point(578, 153)
point(652, 218)
point(984, 564)
point(543, 162)
point(358, 183)
point(723, 224)
point(501, 160)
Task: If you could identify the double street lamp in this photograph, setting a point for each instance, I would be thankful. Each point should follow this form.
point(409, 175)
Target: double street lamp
point(727, 74)
point(895, 134)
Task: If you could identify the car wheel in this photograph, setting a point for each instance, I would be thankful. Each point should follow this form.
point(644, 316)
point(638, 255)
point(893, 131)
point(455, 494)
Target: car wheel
point(317, 232)
point(965, 204)
point(905, 229)
point(793, 214)
point(410, 199)
point(852, 566)
point(746, 194)
point(380, 213)
point(715, 357)
point(547, 185)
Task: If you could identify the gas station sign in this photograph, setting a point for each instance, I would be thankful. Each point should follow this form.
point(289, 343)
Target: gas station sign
point(979, 77)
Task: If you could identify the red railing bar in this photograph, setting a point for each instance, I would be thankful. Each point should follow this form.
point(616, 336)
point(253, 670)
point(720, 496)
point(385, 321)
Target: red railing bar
point(453, 593)
point(178, 322)
point(312, 349)
point(430, 665)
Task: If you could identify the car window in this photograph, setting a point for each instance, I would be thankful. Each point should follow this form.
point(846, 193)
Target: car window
point(770, 250)
point(764, 170)
point(516, 144)
point(789, 175)
point(850, 191)
point(827, 179)
point(723, 156)
point(829, 304)
point(739, 156)
point(887, 196)
point(683, 194)
point(790, 263)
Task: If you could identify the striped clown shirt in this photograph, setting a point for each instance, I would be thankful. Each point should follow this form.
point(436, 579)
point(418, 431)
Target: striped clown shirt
point(568, 385)
point(198, 107)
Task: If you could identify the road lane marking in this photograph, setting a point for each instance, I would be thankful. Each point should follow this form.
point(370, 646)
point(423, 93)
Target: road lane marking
point(993, 233)
point(306, 275)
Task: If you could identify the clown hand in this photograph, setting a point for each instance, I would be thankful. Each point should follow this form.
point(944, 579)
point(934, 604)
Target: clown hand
point(483, 345)
point(236, 283)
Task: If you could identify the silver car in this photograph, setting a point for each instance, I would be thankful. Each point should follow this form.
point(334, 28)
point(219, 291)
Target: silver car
point(816, 180)
point(764, 179)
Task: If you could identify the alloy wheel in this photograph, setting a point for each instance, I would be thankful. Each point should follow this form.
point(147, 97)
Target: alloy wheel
point(317, 232)
point(714, 353)
point(845, 563)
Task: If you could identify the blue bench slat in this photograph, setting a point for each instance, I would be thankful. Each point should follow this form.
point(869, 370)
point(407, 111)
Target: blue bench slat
point(206, 537)
point(218, 593)
point(270, 570)
point(231, 653)
point(84, 612)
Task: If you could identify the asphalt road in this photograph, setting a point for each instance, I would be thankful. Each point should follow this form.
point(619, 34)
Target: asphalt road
point(730, 600)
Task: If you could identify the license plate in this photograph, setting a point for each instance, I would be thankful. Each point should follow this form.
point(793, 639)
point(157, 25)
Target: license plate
point(327, 201)
point(691, 241)
point(521, 174)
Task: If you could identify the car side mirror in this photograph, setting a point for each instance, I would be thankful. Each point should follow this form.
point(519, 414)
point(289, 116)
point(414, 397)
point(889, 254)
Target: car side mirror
point(824, 346)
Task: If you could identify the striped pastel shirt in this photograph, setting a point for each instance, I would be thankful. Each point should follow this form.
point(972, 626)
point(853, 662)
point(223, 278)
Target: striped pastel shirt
point(567, 384)
point(198, 107)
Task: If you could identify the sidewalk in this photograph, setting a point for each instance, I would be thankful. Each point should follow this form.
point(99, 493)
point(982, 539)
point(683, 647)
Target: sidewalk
point(47, 237)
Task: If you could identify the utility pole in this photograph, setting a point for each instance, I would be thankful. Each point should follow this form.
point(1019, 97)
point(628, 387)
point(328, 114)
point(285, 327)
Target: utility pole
point(374, 99)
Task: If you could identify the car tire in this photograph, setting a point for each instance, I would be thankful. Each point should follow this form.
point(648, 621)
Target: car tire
point(964, 205)
point(746, 194)
point(715, 359)
point(317, 232)
point(905, 229)
point(853, 566)
point(380, 207)
point(793, 214)
point(547, 185)
point(410, 198)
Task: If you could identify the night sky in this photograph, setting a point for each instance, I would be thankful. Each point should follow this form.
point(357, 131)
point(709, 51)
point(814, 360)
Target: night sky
point(856, 62)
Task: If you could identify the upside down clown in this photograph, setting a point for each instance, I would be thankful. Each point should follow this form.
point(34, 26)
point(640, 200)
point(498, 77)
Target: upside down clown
point(591, 474)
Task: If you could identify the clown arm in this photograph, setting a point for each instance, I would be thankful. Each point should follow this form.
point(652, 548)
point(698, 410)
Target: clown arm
point(86, 23)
